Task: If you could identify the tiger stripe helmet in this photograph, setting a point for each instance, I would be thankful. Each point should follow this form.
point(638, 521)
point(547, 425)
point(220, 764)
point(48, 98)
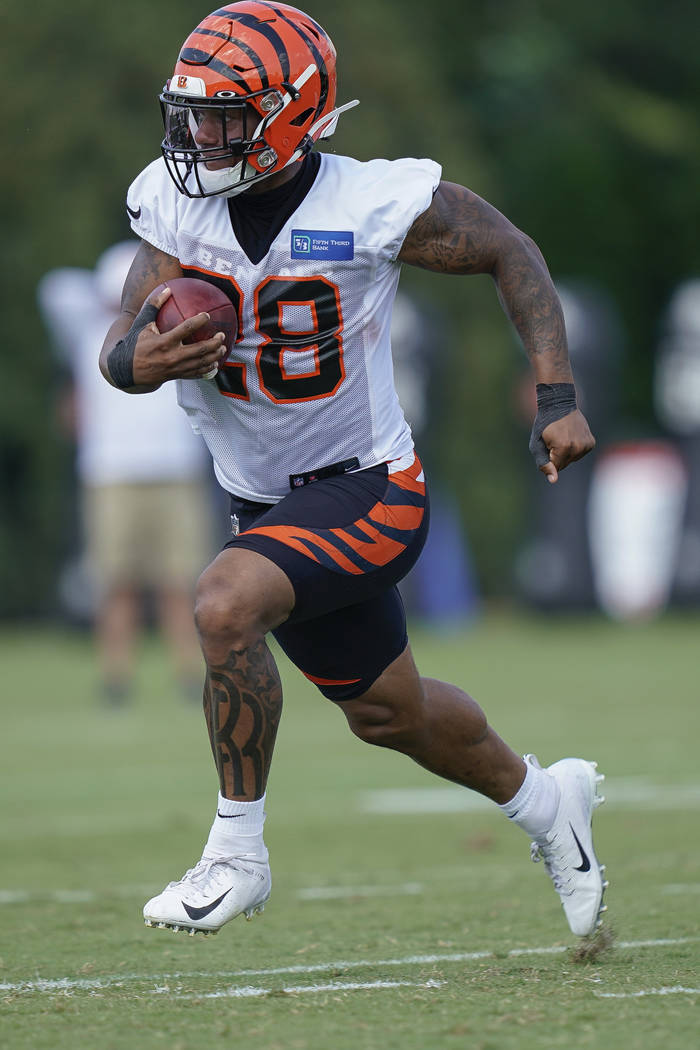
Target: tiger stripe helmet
point(262, 75)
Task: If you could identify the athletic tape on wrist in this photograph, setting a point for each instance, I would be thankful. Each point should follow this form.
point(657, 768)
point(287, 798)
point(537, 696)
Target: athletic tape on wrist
point(120, 359)
point(554, 401)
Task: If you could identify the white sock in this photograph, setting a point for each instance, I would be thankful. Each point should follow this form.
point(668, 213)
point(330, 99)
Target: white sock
point(237, 830)
point(535, 806)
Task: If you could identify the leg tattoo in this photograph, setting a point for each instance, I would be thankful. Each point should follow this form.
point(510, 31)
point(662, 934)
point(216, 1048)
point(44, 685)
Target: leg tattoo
point(242, 706)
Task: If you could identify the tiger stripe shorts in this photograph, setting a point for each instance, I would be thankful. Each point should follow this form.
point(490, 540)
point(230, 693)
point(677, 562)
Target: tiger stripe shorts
point(345, 542)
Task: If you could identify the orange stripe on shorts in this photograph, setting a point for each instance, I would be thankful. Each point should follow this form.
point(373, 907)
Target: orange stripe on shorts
point(293, 537)
point(329, 681)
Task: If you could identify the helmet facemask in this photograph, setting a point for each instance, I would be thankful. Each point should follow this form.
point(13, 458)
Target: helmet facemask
point(200, 132)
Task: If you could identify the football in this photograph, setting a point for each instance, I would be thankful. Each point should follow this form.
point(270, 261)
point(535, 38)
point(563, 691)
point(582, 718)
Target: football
point(190, 296)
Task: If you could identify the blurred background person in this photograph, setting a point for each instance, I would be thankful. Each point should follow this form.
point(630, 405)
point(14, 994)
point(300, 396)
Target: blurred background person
point(623, 535)
point(144, 519)
point(677, 403)
point(555, 569)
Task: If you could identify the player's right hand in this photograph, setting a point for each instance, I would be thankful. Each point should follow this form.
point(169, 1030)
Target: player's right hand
point(161, 356)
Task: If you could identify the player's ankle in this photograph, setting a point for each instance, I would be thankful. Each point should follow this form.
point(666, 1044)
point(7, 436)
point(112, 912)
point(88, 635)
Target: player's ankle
point(534, 806)
point(237, 829)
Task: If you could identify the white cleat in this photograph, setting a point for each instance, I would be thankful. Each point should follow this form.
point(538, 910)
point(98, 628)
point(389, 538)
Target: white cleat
point(567, 848)
point(212, 893)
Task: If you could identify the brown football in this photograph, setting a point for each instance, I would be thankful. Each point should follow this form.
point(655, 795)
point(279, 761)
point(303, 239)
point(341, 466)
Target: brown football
point(190, 296)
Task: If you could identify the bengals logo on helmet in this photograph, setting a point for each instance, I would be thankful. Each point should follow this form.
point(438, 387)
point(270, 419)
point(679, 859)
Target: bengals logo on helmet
point(275, 59)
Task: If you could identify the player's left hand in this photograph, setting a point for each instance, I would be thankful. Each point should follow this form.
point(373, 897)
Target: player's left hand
point(567, 440)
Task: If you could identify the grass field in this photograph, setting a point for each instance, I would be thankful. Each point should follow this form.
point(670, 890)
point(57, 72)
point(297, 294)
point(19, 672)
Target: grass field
point(405, 912)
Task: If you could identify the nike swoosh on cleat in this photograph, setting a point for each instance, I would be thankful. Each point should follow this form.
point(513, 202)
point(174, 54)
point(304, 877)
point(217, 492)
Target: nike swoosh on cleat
point(228, 816)
point(201, 913)
point(585, 864)
point(134, 214)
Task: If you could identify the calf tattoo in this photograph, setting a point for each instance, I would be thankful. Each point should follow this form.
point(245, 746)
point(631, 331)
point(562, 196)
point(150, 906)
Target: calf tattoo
point(242, 706)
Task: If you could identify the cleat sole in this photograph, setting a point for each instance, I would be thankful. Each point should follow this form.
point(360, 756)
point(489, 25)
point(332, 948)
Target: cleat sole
point(250, 913)
point(175, 927)
point(598, 800)
point(192, 931)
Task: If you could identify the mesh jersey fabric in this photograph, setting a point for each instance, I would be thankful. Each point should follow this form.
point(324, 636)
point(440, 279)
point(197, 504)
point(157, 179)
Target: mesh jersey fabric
point(309, 381)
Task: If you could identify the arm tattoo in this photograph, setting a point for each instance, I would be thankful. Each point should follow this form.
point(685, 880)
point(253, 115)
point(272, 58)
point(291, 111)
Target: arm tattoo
point(455, 235)
point(242, 706)
point(528, 297)
point(462, 234)
point(150, 268)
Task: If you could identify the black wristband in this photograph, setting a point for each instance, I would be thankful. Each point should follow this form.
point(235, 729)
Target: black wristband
point(120, 359)
point(554, 401)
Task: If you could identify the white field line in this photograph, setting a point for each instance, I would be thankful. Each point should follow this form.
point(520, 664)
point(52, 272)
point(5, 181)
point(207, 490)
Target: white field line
point(55, 896)
point(92, 984)
point(628, 792)
point(676, 989)
point(681, 888)
point(301, 989)
point(310, 893)
point(330, 893)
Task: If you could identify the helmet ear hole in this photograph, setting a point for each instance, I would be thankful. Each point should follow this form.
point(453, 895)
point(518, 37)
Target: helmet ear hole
point(302, 118)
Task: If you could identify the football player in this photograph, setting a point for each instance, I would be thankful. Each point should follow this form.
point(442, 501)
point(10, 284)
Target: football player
point(329, 505)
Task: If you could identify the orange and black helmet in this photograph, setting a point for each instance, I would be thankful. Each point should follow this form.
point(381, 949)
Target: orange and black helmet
point(262, 76)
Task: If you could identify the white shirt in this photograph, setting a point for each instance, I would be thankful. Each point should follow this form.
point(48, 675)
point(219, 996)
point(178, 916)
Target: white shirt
point(309, 381)
point(120, 437)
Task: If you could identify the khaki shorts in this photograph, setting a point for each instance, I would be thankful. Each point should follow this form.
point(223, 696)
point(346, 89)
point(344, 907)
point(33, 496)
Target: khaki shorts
point(150, 535)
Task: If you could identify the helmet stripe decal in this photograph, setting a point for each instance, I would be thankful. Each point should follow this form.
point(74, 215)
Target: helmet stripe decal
point(200, 31)
point(255, 59)
point(242, 46)
point(321, 31)
point(265, 29)
point(318, 57)
point(193, 56)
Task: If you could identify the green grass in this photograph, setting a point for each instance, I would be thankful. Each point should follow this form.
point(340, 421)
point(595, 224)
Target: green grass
point(102, 808)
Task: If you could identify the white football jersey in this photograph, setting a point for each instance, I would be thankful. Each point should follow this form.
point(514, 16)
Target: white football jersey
point(309, 381)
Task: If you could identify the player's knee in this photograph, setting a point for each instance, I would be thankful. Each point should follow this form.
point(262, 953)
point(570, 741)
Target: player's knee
point(380, 724)
point(224, 618)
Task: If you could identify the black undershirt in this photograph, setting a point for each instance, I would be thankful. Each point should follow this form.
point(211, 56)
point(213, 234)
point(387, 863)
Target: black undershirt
point(257, 218)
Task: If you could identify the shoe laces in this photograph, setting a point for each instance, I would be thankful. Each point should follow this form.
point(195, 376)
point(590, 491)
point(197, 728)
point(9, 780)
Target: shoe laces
point(553, 853)
point(203, 870)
